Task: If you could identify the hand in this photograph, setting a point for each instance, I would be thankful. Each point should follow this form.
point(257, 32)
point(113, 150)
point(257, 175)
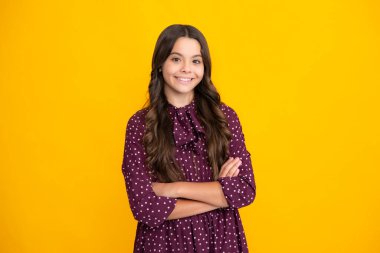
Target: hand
point(230, 168)
point(165, 189)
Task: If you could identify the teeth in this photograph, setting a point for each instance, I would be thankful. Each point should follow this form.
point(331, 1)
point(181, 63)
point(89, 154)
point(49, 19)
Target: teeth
point(184, 79)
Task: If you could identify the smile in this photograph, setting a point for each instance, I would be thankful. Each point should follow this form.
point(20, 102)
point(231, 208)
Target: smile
point(184, 79)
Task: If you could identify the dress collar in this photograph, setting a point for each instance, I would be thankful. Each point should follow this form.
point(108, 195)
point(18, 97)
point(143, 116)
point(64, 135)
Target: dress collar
point(187, 129)
point(191, 105)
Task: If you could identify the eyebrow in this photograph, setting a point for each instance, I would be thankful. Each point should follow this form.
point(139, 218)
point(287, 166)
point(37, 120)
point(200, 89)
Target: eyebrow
point(197, 55)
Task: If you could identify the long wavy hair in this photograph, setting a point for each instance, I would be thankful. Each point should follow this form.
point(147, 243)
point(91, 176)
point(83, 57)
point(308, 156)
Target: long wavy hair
point(158, 138)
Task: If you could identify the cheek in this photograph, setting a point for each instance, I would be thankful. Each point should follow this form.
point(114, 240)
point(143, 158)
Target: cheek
point(169, 69)
point(200, 72)
point(166, 77)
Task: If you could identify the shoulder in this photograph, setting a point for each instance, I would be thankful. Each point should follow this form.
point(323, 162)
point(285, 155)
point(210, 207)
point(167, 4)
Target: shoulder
point(136, 123)
point(231, 117)
point(229, 113)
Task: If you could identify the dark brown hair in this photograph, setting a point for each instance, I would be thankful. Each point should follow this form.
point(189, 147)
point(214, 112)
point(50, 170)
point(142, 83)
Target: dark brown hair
point(158, 138)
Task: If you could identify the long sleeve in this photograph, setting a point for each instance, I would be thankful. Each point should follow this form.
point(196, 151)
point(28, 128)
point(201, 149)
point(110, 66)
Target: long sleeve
point(145, 205)
point(240, 190)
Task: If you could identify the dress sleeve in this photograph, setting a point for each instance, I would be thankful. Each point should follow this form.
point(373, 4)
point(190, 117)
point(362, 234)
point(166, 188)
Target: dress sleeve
point(145, 205)
point(240, 190)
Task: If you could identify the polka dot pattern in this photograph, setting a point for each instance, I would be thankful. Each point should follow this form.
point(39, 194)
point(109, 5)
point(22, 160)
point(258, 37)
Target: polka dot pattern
point(217, 231)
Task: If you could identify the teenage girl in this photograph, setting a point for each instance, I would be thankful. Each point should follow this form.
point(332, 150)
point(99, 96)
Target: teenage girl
point(186, 167)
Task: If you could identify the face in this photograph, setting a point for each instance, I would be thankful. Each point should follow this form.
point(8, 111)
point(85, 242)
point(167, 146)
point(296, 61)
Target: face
point(183, 69)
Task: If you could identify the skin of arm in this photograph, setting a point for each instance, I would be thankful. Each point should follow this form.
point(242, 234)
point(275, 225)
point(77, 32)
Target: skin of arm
point(207, 192)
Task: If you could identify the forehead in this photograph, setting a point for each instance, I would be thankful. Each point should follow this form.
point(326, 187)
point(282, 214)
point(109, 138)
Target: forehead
point(186, 47)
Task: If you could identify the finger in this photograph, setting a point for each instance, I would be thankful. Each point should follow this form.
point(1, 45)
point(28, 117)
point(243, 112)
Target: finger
point(229, 160)
point(236, 173)
point(230, 164)
point(232, 171)
point(224, 168)
point(235, 167)
point(230, 168)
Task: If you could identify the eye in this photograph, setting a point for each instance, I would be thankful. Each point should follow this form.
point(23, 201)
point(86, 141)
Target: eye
point(197, 61)
point(176, 59)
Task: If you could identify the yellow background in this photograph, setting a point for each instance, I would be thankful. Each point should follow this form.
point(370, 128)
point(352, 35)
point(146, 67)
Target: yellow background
point(303, 76)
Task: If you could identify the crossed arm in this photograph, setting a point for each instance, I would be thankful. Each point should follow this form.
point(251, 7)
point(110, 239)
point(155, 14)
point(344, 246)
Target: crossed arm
point(194, 197)
point(153, 203)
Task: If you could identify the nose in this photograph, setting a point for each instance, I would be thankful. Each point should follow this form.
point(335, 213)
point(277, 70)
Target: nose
point(186, 67)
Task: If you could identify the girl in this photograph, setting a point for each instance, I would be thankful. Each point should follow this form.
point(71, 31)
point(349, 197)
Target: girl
point(186, 166)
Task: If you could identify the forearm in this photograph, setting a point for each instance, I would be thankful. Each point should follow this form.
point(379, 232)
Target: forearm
point(207, 192)
point(185, 208)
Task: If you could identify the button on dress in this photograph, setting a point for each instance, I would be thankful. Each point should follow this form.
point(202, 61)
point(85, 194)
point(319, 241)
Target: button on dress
point(216, 231)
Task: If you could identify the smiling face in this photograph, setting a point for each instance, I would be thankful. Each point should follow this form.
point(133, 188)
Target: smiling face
point(182, 71)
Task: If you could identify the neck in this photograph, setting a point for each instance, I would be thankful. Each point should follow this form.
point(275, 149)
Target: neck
point(180, 101)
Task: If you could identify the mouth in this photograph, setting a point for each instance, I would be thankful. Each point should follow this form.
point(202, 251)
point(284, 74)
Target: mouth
point(184, 79)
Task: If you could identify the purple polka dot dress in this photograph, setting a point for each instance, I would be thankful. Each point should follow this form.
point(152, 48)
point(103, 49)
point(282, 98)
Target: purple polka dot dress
point(219, 230)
